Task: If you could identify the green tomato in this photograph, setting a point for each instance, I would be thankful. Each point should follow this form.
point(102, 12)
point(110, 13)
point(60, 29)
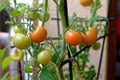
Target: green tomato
point(96, 46)
point(44, 57)
point(21, 41)
point(42, 14)
point(19, 30)
point(17, 55)
point(32, 15)
point(28, 69)
point(33, 62)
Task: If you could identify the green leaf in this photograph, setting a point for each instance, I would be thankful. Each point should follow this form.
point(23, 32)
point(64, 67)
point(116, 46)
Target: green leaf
point(1, 7)
point(91, 73)
point(84, 57)
point(2, 52)
point(46, 75)
point(73, 49)
point(16, 77)
point(5, 77)
point(6, 62)
point(15, 13)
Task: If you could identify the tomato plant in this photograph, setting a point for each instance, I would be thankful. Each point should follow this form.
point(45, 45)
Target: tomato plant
point(17, 55)
point(85, 2)
point(21, 41)
point(39, 35)
point(47, 56)
point(73, 38)
point(44, 57)
point(90, 36)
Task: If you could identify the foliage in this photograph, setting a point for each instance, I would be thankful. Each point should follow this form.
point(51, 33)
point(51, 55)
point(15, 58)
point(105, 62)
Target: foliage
point(79, 53)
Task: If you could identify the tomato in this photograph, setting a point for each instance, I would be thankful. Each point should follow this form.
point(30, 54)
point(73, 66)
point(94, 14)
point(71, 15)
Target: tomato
point(73, 38)
point(42, 14)
point(17, 55)
point(21, 41)
point(85, 2)
point(19, 30)
point(90, 36)
point(32, 15)
point(28, 69)
point(44, 57)
point(96, 46)
point(33, 62)
point(39, 35)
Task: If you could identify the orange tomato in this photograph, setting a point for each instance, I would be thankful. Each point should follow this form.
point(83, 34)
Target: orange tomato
point(85, 2)
point(73, 38)
point(90, 36)
point(39, 35)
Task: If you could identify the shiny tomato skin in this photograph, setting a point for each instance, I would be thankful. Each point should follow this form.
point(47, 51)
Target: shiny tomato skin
point(39, 35)
point(44, 57)
point(85, 2)
point(21, 41)
point(90, 36)
point(73, 38)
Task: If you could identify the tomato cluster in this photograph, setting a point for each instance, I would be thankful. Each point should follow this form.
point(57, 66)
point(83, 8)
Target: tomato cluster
point(74, 38)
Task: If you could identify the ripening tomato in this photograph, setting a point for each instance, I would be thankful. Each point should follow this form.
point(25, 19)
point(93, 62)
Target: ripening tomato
point(44, 57)
point(21, 41)
point(73, 38)
point(90, 36)
point(39, 35)
point(85, 2)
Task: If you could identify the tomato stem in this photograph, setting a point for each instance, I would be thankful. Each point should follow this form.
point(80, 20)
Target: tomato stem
point(45, 12)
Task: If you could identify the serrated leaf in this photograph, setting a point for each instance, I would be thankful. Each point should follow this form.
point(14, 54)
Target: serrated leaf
point(6, 62)
point(5, 77)
point(15, 13)
point(2, 52)
point(46, 75)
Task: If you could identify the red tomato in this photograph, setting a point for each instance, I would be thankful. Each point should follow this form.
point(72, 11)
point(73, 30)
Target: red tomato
point(39, 35)
point(90, 36)
point(73, 38)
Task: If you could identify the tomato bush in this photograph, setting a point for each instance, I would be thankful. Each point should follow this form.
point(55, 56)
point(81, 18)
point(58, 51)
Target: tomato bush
point(39, 35)
point(73, 38)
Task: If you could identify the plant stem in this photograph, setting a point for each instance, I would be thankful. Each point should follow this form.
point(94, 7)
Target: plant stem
point(64, 26)
point(61, 73)
point(45, 12)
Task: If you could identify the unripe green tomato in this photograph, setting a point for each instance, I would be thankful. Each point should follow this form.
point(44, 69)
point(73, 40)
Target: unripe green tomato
point(96, 46)
point(19, 30)
point(42, 14)
point(21, 41)
point(33, 62)
point(28, 69)
point(17, 55)
point(44, 57)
